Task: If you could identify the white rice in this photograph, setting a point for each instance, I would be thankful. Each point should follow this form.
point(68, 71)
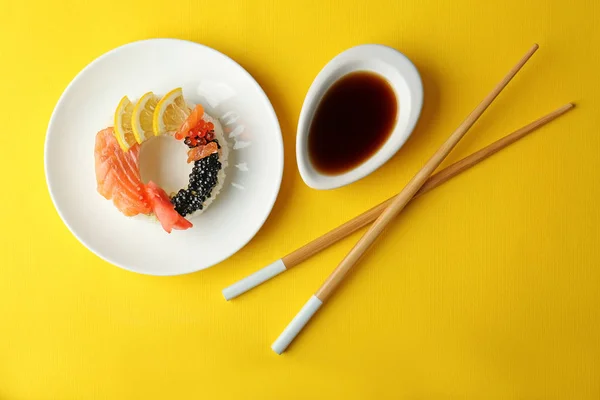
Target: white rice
point(223, 158)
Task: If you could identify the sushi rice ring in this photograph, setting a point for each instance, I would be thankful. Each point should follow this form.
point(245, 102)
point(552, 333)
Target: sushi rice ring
point(118, 170)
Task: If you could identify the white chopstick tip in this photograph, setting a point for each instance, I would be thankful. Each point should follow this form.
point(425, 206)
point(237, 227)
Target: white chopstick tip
point(295, 326)
point(251, 281)
point(227, 294)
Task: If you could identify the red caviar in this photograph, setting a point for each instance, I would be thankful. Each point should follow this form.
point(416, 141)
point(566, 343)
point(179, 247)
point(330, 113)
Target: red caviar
point(201, 129)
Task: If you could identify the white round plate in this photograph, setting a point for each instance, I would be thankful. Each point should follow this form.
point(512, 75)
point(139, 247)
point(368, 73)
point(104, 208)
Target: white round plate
point(227, 92)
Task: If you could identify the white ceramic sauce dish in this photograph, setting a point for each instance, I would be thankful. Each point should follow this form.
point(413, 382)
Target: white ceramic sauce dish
point(404, 79)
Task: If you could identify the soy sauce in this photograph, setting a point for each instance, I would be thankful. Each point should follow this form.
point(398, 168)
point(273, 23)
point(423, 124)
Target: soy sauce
point(353, 120)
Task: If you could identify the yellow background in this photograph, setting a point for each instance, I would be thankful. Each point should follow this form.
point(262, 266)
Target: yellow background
point(488, 287)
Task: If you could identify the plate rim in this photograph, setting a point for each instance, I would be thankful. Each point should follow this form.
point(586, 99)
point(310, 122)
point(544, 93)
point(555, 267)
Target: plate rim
point(52, 122)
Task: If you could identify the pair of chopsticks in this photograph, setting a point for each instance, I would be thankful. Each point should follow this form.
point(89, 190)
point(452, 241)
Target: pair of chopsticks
point(381, 215)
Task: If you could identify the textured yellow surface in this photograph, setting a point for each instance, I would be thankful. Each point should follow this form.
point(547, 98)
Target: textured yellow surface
point(488, 287)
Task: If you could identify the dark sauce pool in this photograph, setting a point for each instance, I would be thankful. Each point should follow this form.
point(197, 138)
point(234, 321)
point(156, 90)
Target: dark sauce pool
point(353, 120)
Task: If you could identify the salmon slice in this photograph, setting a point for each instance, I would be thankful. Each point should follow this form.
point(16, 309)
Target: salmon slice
point(125, 204)
point(198, 153)
point(191, 121)
point(118, 175)
point(112, 168)
point(165, 210)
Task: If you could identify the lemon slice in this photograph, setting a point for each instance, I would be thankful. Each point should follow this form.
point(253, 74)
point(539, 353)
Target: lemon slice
point(170, 113)
point(123, 131)
point(141, 120)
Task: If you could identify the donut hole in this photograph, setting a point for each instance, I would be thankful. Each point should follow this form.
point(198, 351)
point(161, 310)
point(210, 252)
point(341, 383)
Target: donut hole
point(163, 160)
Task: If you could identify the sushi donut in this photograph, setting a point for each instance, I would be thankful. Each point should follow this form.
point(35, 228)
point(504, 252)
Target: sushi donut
point(118, 173)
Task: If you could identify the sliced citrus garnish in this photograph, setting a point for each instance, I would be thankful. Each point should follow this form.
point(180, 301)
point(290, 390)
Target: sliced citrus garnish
point(123, 130)
point(171, 111)
point(141, 120)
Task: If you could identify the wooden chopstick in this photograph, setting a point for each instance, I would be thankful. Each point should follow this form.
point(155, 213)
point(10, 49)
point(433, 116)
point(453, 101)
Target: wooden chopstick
point(398, 203)
point(308, 250)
